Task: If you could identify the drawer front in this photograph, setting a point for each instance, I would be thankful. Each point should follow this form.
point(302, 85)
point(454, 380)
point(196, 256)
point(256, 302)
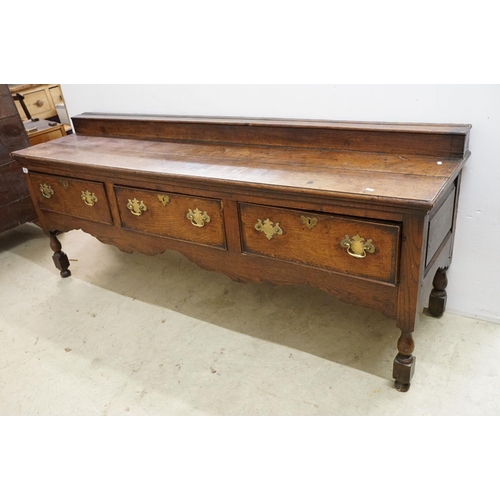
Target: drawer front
point(198, 220)
point(56, 94)
point(319, 240)
point(39, 104)
point(46, 135)
point(79, 198)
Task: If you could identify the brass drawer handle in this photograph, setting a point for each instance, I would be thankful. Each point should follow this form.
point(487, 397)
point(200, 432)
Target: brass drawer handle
point(89, 198)
point(46, 190)
point(136, 207)
point(269, 228)
point(198, 218)
point(357, 246)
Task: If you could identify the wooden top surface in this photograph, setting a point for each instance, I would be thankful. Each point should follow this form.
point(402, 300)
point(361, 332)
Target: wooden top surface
point(411, 180)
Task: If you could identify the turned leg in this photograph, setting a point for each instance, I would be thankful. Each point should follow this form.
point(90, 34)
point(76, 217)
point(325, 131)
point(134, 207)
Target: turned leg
point(404, 363)
point(60, 258)
point(437, 298)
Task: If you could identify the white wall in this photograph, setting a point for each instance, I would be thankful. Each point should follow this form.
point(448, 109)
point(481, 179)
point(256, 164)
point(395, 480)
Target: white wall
point(475, 274)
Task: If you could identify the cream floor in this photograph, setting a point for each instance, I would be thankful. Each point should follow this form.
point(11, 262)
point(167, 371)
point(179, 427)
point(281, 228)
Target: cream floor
point(129, 334)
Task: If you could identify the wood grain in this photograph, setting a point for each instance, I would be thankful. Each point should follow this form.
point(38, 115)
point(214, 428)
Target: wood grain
point(371, 178)
point(12, 183)
point(67, 197)
point(12, 137)
point(46, 134)
point(16, 213)
point(171, 219)
point(412, 270)
point(320, 245)
point(440, 225)
point(380, 137)
point(239, 267)
point(16, 206)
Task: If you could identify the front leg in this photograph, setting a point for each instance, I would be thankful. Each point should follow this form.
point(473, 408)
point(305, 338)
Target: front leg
point(404, 363)
point(60, 258)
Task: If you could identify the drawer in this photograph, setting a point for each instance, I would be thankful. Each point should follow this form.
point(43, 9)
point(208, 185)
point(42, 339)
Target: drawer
point(339, 244)
point(46, 134)
point(173, 215)
point(79, 198)
point(39, 104)
point(56, 94)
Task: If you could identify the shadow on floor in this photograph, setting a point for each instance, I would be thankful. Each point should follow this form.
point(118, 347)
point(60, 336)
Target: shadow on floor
point(298, 317)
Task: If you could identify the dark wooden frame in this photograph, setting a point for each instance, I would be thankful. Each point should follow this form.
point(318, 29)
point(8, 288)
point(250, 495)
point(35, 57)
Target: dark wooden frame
point(16, 206)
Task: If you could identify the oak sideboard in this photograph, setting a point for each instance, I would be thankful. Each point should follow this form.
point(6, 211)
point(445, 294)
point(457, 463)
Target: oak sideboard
point(364, 211)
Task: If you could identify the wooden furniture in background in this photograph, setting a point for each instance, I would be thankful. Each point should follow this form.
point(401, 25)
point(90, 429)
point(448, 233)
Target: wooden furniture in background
point(40, 99)
point(16, 206)
point(36, 105)
point(365, 211)
point(43, 131)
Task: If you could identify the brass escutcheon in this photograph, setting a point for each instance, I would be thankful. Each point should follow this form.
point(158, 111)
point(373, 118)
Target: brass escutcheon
point(64, 183)
point(357, 246)
point(136, 207)
point(89, 198)
point(163, 199)
point(46, 190)
point(270, 229)
point(198, 218)
point(309, 222)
